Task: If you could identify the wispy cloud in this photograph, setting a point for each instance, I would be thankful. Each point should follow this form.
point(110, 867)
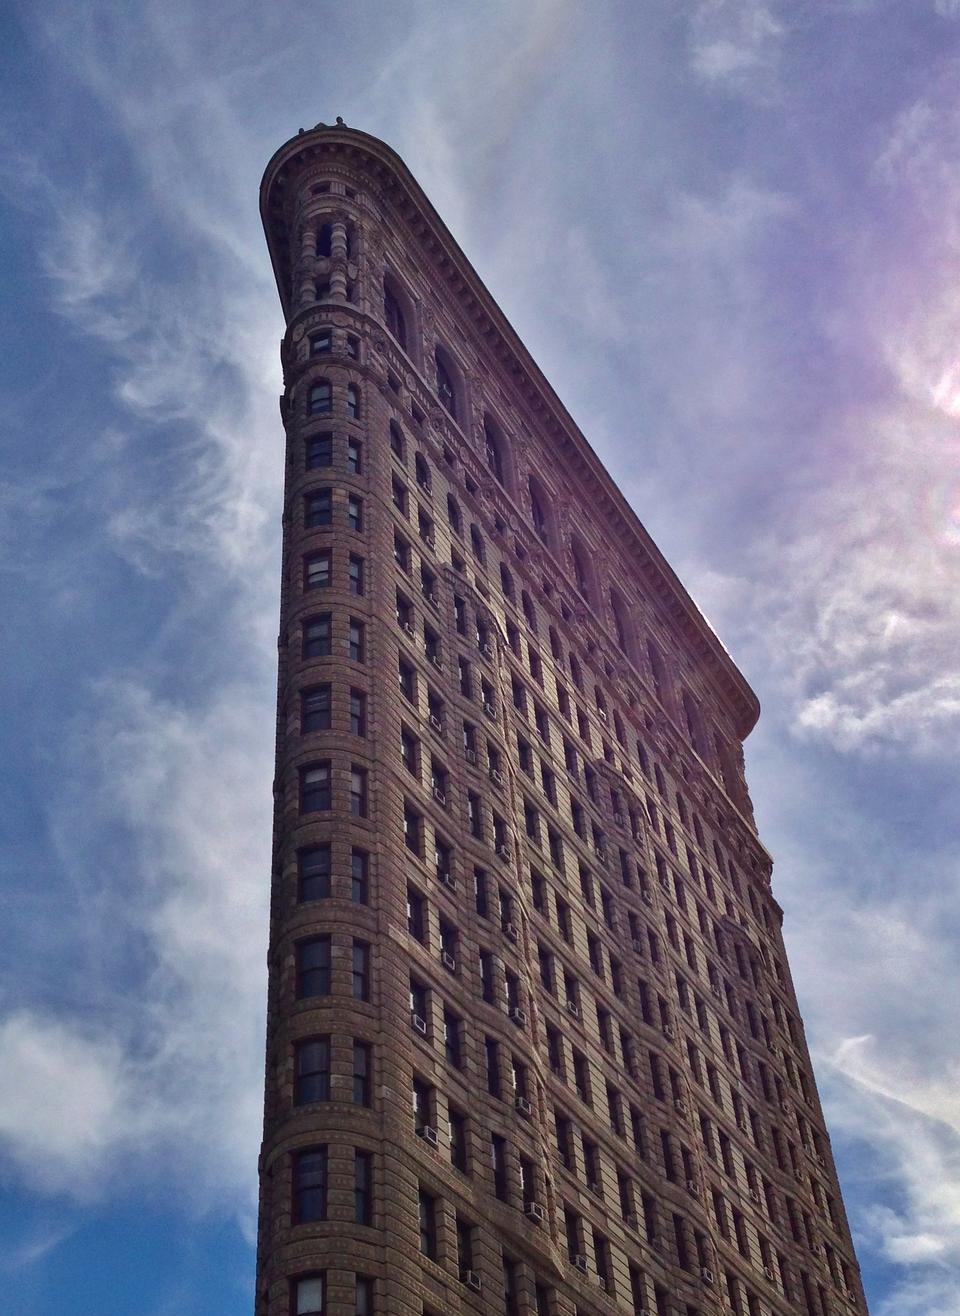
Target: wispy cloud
point(735, 44)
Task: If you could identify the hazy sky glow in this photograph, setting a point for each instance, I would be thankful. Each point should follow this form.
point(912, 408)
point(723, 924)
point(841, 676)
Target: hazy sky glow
point(729, 232)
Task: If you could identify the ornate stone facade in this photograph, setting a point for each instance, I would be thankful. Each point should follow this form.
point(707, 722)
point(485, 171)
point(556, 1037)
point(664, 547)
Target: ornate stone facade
point(532, 1044)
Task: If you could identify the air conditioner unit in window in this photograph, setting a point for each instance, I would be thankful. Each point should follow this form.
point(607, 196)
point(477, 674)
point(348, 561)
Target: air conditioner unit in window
point(428, 1135)
point(755, 1196)
point(601, 853)
point(594, 1188)
point(486, 650)
point(503, 851)
point(716, 991)
point(706, 1274)
point(419, 1023)
point(665, 883)
point(523, 1106)
point(602, 714)
point(668, 1032)
point(535, 1211)
point(820, 1159)
point(785, 1108)
point(638, 946)
point(768, 1274)
point(574, 1009)
point(680, 1106)
point(437, 661)
point(489, 709)
point(518, 1016)
point(439, 796)
point(646, 895)
point(471, 756)
point(692, 1187)
point(448, 961)
point(496, 777)
point(510, 932)
point(632, 1221)
point(471, 1279)
point(619, 819)
point(580, 1262)
point(430, 541)
point(432, 599)
point(408, 629)
point(447, 880)
point(602, 1282)
point(435, 722)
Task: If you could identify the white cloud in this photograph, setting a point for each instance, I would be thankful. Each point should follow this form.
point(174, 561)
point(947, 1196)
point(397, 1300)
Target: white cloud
point(735, 44)
point(167, 1065)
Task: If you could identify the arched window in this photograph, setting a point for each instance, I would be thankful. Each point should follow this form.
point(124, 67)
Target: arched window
point(575, 672)
point(393, 313)
point(622, 624)
point(694, 722)
point(422, 471)
point(476, 543)
point(493, 448)
point(353, 402)
point(657, 671)
point(537, 513)
point(445, 391)
point(350, 240)
point(324, 240)
point(580, 569)
point(453, 515)
point(396, 440)
point(506, 581)
point(320, 398)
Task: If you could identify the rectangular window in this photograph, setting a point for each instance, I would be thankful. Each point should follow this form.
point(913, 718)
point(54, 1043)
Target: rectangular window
point(317, 570)
point(316, 636)
point(361, 970)
point(310, 1185)
point(312, 1082)
point(354, 456)
point(318, 508)
point(492, 1057)
point(498, 1156)
point(355, 641)
point(358, 713)
point(412, 830)
point(458, 1139)
point(359, 884)
point(315, 709)
point(358, 792)
point(354, 513)
point(313, 967)
point(452, 1038)
point(319, 450)
point(313, 872)
point(362, 1072)
point(408, 681)
point(356, 574)
point(309, 1296)
point(428, 1225)
point(362, 1187)
point(363, 1292)
point(315, 788)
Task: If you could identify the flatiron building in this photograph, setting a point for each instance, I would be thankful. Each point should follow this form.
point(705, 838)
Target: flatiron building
point(532, 1043)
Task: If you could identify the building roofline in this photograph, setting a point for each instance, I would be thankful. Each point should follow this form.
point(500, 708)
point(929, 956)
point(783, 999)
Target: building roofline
point(740, 696)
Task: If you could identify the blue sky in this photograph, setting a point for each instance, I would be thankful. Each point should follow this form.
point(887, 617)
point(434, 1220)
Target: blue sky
point(729, 232)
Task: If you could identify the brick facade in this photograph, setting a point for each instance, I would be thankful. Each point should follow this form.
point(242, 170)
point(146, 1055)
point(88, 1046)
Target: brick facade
point(532, 1044)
